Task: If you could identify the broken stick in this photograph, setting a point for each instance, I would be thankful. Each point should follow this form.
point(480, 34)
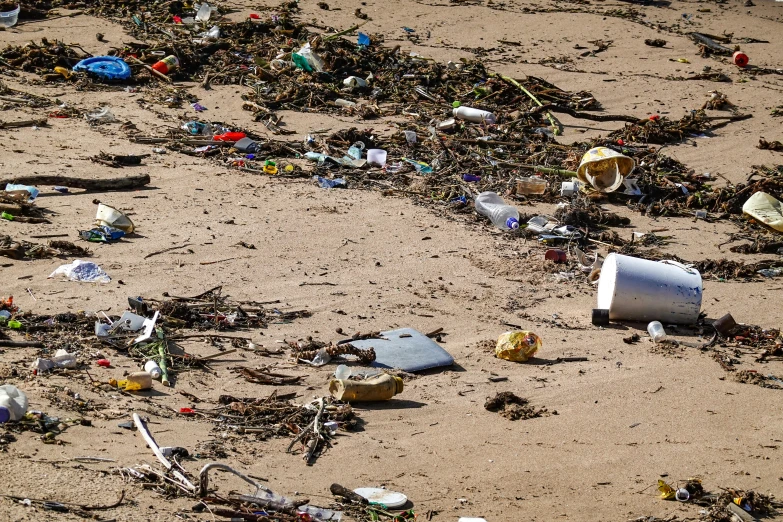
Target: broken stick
point(124, 183)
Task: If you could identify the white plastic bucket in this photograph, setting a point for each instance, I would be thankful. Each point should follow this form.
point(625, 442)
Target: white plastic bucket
point(634, 289)
point(376, 157)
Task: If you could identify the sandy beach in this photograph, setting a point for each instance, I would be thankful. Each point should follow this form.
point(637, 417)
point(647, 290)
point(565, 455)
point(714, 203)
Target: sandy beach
point(367, 260)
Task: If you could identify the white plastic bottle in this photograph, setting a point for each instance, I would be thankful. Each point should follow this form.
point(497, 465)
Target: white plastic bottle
point(153, 369)
point(503, 216)
point(474, 115)
point(13, 403)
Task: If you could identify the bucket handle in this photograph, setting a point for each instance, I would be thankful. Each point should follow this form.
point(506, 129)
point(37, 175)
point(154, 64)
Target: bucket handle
point(687, 268)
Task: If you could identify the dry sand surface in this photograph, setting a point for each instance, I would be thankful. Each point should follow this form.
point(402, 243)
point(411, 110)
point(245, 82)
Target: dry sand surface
point(625, 417)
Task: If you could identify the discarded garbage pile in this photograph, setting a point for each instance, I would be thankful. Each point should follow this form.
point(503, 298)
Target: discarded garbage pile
point(313, 425)
point(662, 130)
point(151, 337)
point(274, 507)
point(211, 310)
point(27, 250)
point(13, 98)
point(264, 505)
point(729, 505)
point(743, 340)
point(470, 130)
point(17, 203)
point(318, 353)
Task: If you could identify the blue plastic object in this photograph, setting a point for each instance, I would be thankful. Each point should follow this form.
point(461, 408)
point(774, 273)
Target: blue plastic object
point(330, 183)
point(106, 67)
point(405, 349)
point(364, 40)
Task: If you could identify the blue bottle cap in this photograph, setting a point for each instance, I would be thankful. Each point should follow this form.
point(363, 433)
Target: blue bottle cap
point(512, 223)
point(106, 67)
point(5, 415)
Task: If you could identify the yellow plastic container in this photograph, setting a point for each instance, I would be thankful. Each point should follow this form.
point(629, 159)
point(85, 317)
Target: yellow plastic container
point(766, 209)
point(134, 382)
point(604, 169)
point(380, 388)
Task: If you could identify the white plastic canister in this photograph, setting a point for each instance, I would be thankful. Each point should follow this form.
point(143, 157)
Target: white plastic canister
point(634, 289)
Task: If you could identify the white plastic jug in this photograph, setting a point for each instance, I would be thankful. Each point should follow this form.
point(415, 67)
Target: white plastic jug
point(13, 403)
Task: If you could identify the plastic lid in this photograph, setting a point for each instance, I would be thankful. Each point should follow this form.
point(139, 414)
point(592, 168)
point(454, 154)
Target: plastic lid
point(512, 223)
point(106, 67)
point(5, 415)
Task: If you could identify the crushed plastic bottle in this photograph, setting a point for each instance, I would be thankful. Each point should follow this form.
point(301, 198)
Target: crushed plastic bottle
point(356, 150)
point(503, 216)
point(102, 115)
point(204, 12)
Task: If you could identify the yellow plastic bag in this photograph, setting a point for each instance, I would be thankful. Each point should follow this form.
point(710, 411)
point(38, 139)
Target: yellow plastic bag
point(667, 492)
point(517, 346)
point(765, 208)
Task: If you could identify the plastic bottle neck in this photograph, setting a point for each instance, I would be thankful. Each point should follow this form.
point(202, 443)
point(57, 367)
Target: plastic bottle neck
point(512, 223)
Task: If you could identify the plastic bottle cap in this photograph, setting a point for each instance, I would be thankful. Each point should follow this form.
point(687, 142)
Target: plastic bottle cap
point(600, 317)
point(5, 415)
point(740, 59)
point(512, 223)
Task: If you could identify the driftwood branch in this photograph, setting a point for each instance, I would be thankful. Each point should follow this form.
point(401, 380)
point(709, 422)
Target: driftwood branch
point(142, 427)
point(124, 183)
point(23, 123)
point(20, 344)
point(341, 491)
point(551, 107)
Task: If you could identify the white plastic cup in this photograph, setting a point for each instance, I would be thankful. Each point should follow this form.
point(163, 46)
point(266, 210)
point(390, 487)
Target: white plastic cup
point(656, 331)
point(569, 188)
point(342, 372)
point(376, 157)
point(474, 115)
point(634, 289)
point(9, 18)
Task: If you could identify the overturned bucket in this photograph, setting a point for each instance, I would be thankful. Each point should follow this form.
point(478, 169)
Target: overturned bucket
point(634, 289)
point(112, 217)
point(604, 169)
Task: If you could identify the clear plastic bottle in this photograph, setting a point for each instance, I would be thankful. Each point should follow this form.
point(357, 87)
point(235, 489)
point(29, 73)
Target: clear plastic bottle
point(502, 216)
point(13, 403)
